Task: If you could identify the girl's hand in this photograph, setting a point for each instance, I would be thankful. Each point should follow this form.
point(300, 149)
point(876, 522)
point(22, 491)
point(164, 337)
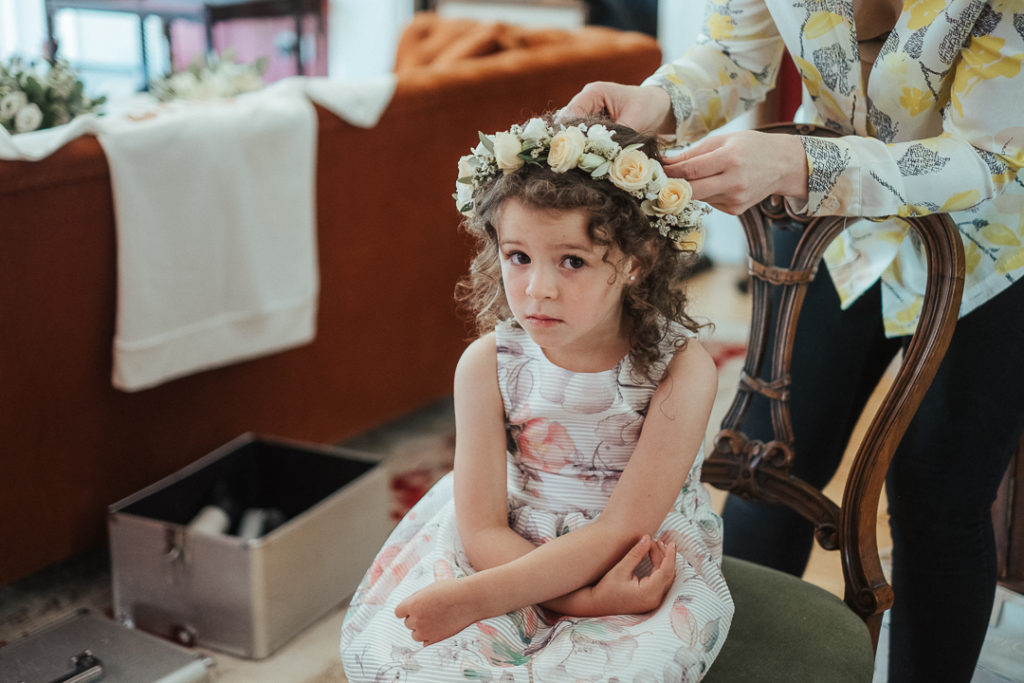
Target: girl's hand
point(439, 611)
point(647, 109)
point(620, 591)
point(734, 171)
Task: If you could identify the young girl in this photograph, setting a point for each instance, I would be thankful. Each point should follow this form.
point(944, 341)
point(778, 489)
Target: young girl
point(574, 540)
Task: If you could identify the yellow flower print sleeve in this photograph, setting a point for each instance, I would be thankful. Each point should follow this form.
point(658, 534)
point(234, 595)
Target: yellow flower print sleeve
point(730, 69)
point(936, 126)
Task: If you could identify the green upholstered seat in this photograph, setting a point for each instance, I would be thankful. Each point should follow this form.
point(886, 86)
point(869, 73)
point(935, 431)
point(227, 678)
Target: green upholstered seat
point(789, 631)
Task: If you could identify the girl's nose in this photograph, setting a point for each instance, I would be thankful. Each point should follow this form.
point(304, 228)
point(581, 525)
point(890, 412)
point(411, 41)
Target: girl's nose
point(541, 284)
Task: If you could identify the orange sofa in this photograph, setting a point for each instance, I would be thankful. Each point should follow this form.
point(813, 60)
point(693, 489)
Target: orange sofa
point(388, 335)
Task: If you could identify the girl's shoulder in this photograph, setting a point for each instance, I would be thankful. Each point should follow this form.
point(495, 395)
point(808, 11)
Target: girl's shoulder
point(675, 340)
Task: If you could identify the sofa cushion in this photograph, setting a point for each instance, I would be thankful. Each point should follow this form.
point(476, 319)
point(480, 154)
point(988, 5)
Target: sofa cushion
point(430, 40)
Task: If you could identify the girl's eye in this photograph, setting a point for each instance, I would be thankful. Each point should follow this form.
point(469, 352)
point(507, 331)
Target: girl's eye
point(518, 258)
point(573, 262)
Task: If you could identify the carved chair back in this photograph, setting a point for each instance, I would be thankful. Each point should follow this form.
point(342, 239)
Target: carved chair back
point(760, 470)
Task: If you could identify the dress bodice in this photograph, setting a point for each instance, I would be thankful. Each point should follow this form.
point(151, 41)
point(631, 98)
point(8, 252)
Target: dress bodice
point(570, 434)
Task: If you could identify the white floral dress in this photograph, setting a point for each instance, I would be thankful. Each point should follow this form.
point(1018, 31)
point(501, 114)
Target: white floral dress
point(570, 436)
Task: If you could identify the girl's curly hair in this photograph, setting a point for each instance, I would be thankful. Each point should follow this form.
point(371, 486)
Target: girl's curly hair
point(616, 220)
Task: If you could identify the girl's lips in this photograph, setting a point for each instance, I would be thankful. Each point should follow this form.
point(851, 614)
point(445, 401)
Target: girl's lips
point(542, 320)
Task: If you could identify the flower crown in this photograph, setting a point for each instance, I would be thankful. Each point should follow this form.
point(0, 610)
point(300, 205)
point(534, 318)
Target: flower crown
point(667, 202)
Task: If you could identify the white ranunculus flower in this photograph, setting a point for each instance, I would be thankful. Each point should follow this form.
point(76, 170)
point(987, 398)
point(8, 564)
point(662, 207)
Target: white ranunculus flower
point(506, 151)
point(631, 170)
point(28, 118)
point(11, 103)
point(566, 148)
point(590, 161)
point(535, 129)
point(601, 140)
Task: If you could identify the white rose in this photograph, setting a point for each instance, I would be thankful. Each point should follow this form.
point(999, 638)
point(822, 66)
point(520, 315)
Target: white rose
point(566, 148)
point(631, 170)
point(28, 118)
point(506, 151)
point(536, 129)
point(467, 166)
point(11, 103)
point(672, 197)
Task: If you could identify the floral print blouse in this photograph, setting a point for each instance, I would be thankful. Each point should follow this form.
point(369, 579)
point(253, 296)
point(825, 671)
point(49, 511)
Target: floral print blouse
point(938, 127)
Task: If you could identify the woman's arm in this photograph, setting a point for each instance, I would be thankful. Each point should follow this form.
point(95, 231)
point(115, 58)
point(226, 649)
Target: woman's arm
point(729, 70)
point(672, 433)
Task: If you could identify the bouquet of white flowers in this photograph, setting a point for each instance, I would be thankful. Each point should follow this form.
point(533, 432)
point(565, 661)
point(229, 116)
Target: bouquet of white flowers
point(30, 100)
point(210, 77)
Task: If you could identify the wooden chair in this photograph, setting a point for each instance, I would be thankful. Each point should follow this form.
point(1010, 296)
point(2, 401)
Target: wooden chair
point(786, 629)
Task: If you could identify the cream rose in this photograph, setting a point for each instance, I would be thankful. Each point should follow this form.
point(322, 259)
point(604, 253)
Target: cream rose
point(631, 170)
point(506, 151)
point(672, 197)
point(692, 241)
point(566, 148)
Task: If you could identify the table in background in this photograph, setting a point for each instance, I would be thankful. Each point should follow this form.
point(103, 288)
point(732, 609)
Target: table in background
point(207, 12)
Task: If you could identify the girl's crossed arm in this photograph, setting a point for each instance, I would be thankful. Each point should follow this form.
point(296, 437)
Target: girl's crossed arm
point(514, 573)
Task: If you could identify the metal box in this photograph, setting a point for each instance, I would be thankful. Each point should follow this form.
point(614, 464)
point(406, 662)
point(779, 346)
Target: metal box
point(88, 647)
point(247, 597)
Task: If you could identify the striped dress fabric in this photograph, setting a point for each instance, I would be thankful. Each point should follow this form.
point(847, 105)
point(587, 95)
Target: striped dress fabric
point(570, 436)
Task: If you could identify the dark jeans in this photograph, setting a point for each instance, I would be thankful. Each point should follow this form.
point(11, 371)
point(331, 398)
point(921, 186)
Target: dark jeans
point(943, 479)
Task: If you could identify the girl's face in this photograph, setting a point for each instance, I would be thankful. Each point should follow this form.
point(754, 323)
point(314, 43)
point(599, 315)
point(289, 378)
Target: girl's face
point(561, 290)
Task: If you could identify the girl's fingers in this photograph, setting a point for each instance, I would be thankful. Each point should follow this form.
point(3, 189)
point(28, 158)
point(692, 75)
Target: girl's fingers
point(657, 553)
point(635, 555)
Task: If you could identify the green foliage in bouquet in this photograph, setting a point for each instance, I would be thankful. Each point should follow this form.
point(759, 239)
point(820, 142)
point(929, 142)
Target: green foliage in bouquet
point(33, 100)
point(209, 78)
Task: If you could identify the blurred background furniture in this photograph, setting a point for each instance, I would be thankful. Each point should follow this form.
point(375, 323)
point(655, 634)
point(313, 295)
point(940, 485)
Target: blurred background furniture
point(207, 12)
point(786, 628)
point(390, 252)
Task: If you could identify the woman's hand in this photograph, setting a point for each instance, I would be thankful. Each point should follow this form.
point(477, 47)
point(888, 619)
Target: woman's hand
point(647, 109)
point(440, 610)
point(734, 171)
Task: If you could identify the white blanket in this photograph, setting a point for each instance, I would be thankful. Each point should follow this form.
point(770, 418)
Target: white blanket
point(215, 222)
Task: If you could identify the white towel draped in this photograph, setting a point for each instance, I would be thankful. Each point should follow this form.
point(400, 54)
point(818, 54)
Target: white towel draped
point(216, 238)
